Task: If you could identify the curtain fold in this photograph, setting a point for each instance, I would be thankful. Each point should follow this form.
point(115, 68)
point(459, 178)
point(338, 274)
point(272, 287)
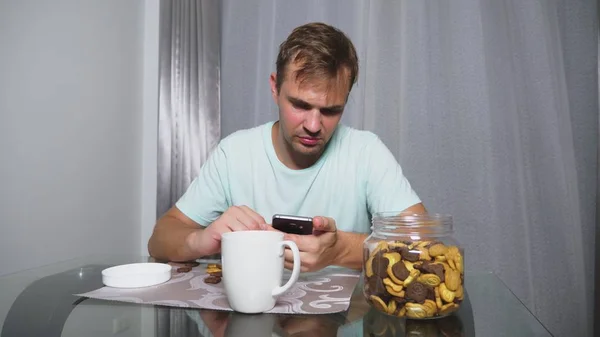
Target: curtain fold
point(189, 113)
point(189, 99)
point(491, 107)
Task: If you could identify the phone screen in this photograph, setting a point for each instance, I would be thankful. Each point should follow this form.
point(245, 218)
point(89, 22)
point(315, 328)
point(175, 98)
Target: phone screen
point(293, 224)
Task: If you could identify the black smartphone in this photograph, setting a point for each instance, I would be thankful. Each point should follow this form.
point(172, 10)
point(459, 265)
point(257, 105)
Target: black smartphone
point(293, 224)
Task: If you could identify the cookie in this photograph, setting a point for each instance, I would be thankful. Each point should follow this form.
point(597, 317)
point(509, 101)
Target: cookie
point(212, 279)
point(378, 303)
point(376, 285)
point(417, 292)
point(380, 265)
point(428, 267)
point(410, 255)
point(399, 271)
point(430, 294)
point(438, 249)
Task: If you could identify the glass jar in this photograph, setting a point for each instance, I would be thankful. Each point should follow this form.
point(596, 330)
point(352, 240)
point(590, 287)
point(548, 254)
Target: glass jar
point(412, 265)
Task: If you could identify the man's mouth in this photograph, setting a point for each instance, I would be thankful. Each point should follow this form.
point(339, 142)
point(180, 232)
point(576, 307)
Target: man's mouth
point(309, 141)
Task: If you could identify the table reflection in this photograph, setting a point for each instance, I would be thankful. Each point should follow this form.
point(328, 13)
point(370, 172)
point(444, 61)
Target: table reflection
point(382, 325)
point(232, 324)
point(176, 322)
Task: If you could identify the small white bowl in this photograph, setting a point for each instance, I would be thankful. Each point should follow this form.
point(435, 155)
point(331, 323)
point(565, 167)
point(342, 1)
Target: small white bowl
point(136, 275)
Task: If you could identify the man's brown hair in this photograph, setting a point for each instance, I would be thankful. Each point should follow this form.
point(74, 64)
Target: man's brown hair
point(320, 51)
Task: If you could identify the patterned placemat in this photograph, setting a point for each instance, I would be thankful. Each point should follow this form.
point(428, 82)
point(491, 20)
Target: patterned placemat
point(324, 292)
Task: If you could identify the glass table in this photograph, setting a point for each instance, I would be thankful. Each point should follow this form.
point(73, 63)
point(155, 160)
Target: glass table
point(40, 302)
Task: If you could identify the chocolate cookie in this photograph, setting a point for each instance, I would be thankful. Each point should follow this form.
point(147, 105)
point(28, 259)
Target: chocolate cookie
point(376, 285)
point(184, 269)
point(399, 300)
point(417, 292)
point(432, 268)
point(212, 279)
point(380, 265)
point(397, 249)
point(430, 294)
point(399, 270)
point(408, 255)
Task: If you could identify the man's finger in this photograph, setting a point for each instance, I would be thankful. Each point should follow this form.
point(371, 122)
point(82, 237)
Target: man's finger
point(305, 243)
point(288, 257)
point(235, 225)
point(248, 221)
point(250, 212)
point(305, 260)
point(267, 227)
point(290, 266)
point(324, 224)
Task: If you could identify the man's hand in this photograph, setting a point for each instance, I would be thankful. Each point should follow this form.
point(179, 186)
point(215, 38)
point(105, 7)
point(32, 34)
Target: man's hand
point(176, 237)
point(308, 325)
point(215, 321)
point(235, 218)
point(317, 251)
point(326, 246)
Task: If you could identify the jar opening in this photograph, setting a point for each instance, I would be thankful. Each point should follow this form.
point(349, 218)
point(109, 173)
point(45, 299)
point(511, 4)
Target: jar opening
point(397, 223)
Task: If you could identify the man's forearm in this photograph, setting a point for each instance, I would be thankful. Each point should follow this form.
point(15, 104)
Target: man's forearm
point(349, 247)
point(170, 240)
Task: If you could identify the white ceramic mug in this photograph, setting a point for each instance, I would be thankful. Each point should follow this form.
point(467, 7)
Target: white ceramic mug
point(252, 264)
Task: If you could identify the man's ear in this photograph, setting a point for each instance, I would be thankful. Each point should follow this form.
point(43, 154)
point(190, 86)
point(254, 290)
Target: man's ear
point(273, 83)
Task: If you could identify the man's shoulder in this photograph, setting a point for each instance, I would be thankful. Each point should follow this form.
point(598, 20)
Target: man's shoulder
point(243, 137)
point(350, 136)
point(352, 144)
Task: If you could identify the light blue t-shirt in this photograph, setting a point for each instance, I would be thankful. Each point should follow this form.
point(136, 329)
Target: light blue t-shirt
point(355, 177)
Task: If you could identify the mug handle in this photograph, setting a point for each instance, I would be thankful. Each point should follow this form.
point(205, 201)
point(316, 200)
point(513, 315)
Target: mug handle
point(295, 270)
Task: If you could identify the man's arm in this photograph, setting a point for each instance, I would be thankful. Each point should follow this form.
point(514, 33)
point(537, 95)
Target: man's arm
point(349, 246)
point(172, 236)
point(177, 237)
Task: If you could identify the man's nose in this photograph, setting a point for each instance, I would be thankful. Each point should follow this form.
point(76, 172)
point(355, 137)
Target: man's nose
point(312, 122)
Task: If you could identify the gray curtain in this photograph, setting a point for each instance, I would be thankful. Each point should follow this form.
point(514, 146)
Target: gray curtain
point(189, 108)
point(597, 255)
point(491, 107)
point(189, 114)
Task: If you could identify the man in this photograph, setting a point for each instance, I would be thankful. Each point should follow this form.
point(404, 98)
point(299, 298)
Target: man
point(303, 164)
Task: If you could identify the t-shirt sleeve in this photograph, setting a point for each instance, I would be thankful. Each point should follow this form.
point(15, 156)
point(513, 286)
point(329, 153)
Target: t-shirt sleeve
point(386, 186)
point(206, 198)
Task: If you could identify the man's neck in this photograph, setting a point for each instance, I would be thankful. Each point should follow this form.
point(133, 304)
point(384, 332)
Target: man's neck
point(285, 152)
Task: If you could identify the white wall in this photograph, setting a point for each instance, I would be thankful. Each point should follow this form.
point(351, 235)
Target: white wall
point(150, 121)
point(71, 129)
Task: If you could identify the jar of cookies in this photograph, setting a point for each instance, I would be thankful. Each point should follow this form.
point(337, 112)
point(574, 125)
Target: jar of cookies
point(412, 265)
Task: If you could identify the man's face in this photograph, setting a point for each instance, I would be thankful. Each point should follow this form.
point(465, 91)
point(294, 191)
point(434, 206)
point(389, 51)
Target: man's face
point(309, 112)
